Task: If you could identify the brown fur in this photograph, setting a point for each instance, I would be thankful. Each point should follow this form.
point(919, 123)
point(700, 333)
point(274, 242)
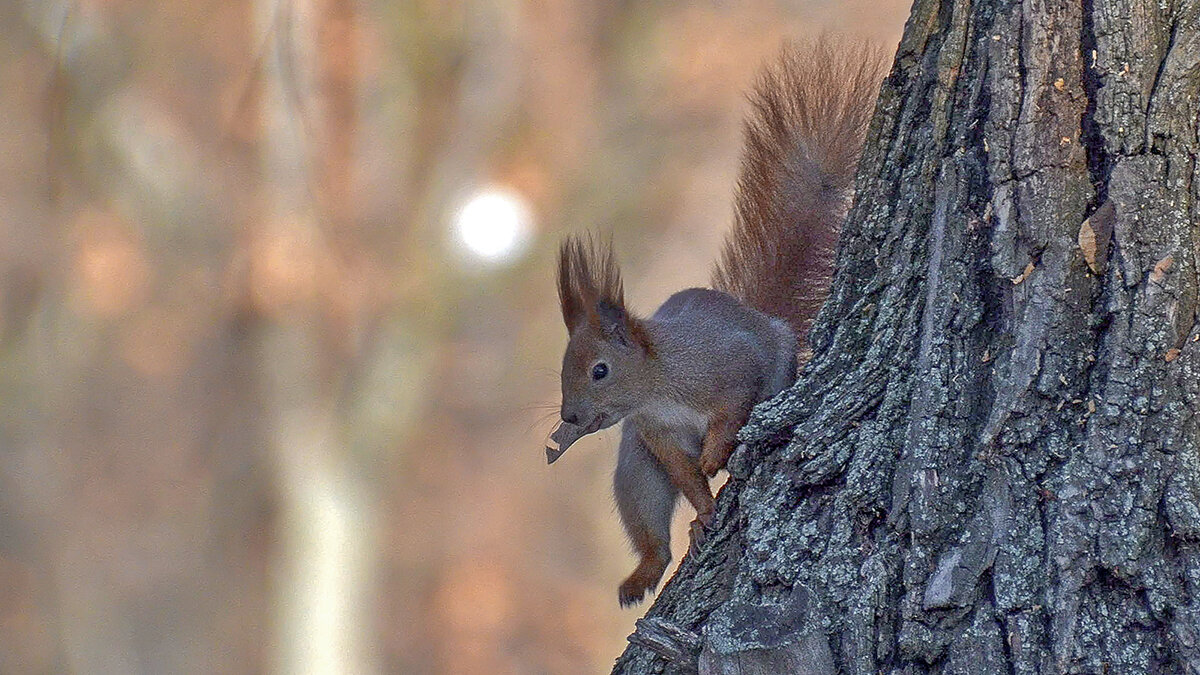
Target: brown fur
point(590, 289)
point(721, 437)
point(683, 470)
point(587, 274)
point(809, 117)
point(652, 562)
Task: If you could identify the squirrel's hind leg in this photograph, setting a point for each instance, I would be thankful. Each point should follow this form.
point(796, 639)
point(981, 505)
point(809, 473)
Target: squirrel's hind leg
point(646, 500)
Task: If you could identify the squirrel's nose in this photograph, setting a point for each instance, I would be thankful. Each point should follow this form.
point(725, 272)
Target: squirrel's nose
point(570, 417)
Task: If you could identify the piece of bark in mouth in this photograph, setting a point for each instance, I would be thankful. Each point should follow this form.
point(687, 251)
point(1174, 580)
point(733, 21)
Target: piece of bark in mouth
point(563, 437)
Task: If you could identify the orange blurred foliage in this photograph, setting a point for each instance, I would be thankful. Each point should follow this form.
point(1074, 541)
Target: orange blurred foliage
point(112, 274)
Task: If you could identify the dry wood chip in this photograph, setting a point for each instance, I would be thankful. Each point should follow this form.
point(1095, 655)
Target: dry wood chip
point(1024, 275)
point(1094, 235)
point(562, 438)
point(1161, 267)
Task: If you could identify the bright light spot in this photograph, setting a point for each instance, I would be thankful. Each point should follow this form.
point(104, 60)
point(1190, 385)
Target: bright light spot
point(494, 224)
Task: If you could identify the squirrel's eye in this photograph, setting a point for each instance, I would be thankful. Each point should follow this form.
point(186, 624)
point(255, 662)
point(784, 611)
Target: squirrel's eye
point(599, 371)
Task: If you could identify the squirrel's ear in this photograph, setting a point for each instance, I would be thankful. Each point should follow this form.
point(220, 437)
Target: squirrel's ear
point(590, 291)
point(617, 325)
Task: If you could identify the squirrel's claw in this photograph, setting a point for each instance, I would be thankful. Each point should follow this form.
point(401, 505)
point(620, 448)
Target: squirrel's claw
point(628, 597)
point(696, 532)
point(631, 592)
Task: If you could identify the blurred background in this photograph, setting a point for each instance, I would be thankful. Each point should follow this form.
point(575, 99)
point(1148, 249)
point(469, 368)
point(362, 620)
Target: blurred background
point(278, 335)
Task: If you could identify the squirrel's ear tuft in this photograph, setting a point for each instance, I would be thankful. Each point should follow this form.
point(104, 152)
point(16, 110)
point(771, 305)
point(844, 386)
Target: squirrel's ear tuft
point(588, 277)
point(569, 297)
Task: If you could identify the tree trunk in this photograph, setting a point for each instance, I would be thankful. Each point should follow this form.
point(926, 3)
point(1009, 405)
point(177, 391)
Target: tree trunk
point(992, 463)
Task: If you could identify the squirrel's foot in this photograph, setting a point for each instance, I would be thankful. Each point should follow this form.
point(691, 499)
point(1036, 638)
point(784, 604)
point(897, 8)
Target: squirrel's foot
point(632, 591)
point(645, 576)
point(696, 532)
point(711, 464)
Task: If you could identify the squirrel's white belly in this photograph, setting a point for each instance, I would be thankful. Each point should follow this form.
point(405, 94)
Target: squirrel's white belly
point(689, 423)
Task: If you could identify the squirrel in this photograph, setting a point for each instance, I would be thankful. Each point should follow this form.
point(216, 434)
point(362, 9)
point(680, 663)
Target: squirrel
point(684, 379)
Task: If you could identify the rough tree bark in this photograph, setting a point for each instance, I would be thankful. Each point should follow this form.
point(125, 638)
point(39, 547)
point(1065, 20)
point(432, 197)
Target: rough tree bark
point(992, 463)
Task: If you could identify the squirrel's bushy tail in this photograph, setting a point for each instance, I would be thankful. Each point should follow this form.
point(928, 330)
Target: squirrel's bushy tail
point(809, 117)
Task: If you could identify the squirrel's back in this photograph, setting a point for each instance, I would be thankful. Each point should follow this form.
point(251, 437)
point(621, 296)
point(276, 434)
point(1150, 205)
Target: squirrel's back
point(721, 341)
point(803, 138)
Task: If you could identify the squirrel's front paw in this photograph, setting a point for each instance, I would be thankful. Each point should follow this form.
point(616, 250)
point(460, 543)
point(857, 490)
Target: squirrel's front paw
point(713, 457)
point(696, 532)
